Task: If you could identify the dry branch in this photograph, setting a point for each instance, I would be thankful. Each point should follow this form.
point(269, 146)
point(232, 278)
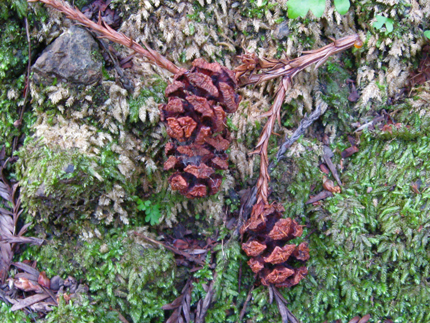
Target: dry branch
point(271, 69)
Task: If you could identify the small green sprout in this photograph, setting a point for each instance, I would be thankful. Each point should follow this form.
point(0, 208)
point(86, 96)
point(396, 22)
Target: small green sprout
point(427, 34)
point(151, 210)
point(381, 21)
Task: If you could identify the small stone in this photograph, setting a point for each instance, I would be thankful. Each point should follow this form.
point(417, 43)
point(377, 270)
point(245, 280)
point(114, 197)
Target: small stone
point(282, 31)
point(40, 192)
point(72, 283)
point(69, 169)
point(56, 282)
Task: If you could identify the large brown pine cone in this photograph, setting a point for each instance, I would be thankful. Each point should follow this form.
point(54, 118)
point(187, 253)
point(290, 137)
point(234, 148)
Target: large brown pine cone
point(272, 258)
point(195, 117)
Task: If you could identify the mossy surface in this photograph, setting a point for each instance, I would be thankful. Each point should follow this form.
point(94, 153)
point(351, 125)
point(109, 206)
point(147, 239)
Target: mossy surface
point(369, 244)
point(121, 273)
point(370, 251)
point(53, 179)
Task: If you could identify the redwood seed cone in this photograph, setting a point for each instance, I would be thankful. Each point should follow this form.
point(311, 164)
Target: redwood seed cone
point(195, 117)
point(272, 258)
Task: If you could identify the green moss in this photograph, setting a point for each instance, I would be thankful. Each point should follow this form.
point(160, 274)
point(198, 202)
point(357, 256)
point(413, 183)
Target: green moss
point(55, 180)
point(76, 313)
point(121, 275)
point(370, 253)
point(228, 294)
point(12, 317)
point(253, 9)
point(156, 90)
point(335, 90)
point(13, 68)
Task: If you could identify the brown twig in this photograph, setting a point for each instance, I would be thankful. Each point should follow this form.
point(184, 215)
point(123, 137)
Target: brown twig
point(248, 298)
point(287, 69)
point(46, 290)
point(107, 32)
point(305, 123)
point(263, 142)
point(173, 249)
point(251, 198)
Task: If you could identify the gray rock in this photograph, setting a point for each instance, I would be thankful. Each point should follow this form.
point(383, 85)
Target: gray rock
point(282, 30)
point(70, 168)
point(56, 282)
point(71, 58)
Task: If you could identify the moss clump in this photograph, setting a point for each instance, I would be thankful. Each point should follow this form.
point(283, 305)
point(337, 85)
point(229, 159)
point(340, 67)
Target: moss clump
point(122, 274)
point(227, 291)
point(55, 181)
point(86, 312)
point(12, 317)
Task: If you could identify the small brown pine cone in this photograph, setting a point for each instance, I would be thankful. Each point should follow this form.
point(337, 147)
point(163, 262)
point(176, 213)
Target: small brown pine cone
point(195, 118)
point(272, 258)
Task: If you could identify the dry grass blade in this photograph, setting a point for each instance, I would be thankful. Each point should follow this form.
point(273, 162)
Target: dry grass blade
point(305, 123)
point(29, 301)
point(365, 319)
point(27, 268)
point(328, 154)
point(287, 316)
point(18, 239)
point(4, 191)
point(107, 32)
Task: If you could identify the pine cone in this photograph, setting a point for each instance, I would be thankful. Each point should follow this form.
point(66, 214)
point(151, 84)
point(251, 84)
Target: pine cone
point(271, 255)
point(195, 117)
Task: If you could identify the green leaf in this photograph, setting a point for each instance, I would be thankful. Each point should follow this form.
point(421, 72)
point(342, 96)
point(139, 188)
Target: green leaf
point(427, 34)
point(297, 8)
point(389, 24)
point(342, 6)
point(21, 7)
point(381, 21)
point(317, 7)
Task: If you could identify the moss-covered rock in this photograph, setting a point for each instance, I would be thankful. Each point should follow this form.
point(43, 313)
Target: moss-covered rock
point(56, 181)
